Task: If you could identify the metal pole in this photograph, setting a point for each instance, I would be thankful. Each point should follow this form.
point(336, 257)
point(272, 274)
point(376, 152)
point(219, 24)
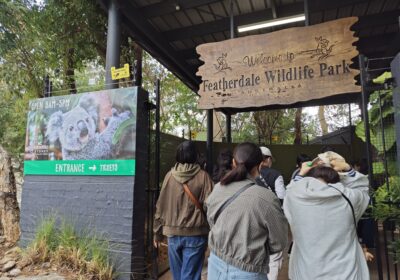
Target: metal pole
point(306, 13)
point(155, 193)
point(157, 139)
point(383, 143)
point(47, 87)
point(351, 133)
point(210, 129)
point(232, 24)
point(113, 43)
point(364, 101)
point(228, 116)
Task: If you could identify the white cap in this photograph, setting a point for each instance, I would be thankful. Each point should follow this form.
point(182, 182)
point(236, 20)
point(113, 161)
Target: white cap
point(265, 151)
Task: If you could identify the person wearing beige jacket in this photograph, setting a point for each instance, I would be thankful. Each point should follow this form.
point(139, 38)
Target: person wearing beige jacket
point(178, 217)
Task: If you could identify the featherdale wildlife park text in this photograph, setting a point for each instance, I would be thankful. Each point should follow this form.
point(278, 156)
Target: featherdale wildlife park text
point(277, 76)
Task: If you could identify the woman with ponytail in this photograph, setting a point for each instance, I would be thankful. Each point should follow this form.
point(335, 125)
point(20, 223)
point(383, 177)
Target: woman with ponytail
point(246, 221)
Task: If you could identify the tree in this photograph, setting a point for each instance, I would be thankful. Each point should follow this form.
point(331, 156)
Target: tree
point(297, 127)
point(322, 120)
point(54, 38)
point(178, 108)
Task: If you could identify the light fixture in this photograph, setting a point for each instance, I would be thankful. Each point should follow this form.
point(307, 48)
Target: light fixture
point(270, 23)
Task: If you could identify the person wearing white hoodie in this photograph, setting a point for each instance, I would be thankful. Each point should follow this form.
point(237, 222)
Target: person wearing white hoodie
point(322, 212)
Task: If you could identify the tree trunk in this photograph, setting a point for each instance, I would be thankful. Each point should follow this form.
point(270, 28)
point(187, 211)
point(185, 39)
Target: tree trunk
point(137, 64)
point(70, 73)
point(297, 126)
point(9, 210)
point(322, 121)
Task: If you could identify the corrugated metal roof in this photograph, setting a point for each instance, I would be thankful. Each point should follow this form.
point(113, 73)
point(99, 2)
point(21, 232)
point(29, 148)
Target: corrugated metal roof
point(171, 29)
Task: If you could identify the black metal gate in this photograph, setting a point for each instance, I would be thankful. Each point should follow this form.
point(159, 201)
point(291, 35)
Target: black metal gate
point(381, 152)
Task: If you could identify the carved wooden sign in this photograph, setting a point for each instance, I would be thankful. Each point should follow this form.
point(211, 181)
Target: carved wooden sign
point(283, 67)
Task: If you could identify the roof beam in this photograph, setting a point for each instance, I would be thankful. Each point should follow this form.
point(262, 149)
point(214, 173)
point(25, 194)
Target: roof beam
point(224, 24)
point(169, 7)
point(320, 5)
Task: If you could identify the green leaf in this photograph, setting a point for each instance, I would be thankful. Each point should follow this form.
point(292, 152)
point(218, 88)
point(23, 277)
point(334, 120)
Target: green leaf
point(123, 126)
point(382, 78)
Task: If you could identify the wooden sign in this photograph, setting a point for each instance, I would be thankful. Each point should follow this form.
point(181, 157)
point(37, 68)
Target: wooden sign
point(283, 67)
point(120, 73)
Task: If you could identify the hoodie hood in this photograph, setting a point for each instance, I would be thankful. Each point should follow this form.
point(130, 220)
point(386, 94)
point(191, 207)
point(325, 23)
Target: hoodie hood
point(184, 172)
point(310, 190)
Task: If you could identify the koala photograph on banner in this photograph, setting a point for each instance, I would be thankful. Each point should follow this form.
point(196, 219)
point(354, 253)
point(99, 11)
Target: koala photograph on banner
point(84, 134)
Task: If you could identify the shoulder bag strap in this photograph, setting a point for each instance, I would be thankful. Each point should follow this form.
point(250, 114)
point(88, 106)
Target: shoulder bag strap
point(230, 200)
point(351, 206)
point(193, 198)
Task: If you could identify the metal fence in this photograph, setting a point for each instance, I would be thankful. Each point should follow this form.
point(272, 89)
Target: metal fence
point(383, 170)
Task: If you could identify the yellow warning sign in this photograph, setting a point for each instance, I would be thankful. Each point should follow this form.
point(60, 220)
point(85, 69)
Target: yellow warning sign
point(120, 73)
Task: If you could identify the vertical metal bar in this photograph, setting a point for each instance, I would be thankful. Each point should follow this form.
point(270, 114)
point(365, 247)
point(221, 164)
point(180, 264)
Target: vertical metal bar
point(228, 128)
point(47, 90)
point(210, 129)
point(396, 276)
point(228, 115)
point(113, 43)
point(232, 24)
point(364, 100)
point(152, 256)
point(155, 193)
point(385, 244)
point(383, 142)
point(157, 139)
point(351, 133)
point(364, 103)
point(306, 13)
point(386, 170)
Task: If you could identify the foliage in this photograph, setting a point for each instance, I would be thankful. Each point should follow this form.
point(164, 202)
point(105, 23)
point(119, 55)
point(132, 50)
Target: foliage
point(55, 38)
point(84, 253)
point(383, 139)
point(387, 200)
point(276, 126)
point(178, 107)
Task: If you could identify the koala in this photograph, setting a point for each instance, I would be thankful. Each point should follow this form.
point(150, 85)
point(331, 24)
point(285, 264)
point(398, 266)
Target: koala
point(76, 131)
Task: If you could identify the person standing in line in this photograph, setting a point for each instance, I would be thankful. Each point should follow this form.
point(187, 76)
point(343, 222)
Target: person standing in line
point(223, 166)
point(272, 179)
point(246, 220)
point(180, 216)
point(323, 209)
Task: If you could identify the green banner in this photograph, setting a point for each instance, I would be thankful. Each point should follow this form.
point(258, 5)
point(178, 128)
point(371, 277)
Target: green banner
point(80, 167)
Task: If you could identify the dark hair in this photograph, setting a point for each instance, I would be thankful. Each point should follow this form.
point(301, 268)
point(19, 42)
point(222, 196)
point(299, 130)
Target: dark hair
point(186, 152)
point(224, 164)
point(202, 161)
point(362, 166)
point(328, 174)
point(302, 158)
point(247, 156)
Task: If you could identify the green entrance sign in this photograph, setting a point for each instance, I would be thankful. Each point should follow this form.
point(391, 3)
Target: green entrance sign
point(81, 167)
